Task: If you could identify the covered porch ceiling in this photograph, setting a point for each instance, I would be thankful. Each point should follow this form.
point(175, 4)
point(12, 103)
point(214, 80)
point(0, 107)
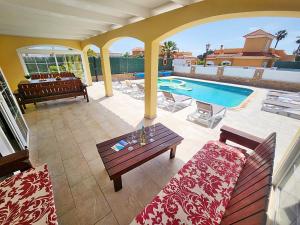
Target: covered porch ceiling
point(77, 19)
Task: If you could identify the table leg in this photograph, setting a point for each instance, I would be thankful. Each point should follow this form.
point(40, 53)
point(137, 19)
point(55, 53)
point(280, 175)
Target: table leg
point(173, 152)
point(117, 183)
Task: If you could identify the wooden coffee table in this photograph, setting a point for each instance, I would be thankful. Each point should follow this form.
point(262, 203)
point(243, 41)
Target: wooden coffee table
point(119, 162)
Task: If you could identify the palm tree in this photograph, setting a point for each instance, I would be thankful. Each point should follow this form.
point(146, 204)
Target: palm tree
point(298, 49)
point(279, 36)
point(169, 48)
point(91, 53)
point(126, 54)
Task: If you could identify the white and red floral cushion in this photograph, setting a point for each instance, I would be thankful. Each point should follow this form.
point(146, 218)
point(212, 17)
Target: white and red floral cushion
point(201, 190)
point(27, 198)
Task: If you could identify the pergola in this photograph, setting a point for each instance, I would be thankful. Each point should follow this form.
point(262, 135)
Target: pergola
point(78, 24)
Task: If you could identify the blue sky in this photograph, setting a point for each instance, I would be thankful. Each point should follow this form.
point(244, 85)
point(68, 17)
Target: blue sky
point(227, 32)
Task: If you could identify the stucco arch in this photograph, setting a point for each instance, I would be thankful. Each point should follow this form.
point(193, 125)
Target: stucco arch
point(9, 54)
point(157, 28)
point(105, 43)
point(54, 45)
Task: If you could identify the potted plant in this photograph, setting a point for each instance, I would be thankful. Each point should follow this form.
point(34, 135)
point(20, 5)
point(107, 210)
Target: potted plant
point(27, 76)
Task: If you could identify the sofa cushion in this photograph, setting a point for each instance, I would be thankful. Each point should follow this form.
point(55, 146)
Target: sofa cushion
point(27, 198)
point(200, 191)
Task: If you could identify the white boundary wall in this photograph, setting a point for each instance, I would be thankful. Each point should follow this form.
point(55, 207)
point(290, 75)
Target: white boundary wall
point(182, 69)
point(241, 72)
point(208, 70)
point(281, 75)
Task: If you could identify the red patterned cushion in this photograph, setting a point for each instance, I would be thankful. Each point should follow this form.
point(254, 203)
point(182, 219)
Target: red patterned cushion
point(200, 191)
point(27, 198)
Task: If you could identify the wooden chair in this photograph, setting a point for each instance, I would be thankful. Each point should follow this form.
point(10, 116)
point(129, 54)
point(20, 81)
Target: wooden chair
point(16, 161)
point(26, 197)
point(249, 200)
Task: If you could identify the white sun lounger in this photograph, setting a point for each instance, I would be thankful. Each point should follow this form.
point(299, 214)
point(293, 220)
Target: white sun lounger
point(294, 96)
point(207, 113)
point(172, 101)
point(117, 85)
point(282, 108)
point(129, 87)
point(138, 91)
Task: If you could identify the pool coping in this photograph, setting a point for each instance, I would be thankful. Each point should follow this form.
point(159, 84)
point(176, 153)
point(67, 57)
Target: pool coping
point(241, 106)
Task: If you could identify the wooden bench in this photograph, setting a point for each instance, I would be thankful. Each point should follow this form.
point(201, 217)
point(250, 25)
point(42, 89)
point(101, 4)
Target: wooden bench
point(51, 75)
point(221, 184)
point(39, 92)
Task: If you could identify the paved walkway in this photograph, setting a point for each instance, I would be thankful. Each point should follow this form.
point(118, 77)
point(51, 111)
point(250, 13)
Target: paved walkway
point(64, 134)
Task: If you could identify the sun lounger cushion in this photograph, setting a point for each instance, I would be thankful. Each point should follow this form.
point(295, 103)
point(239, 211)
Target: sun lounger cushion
point(27, 198)
point(201, 190)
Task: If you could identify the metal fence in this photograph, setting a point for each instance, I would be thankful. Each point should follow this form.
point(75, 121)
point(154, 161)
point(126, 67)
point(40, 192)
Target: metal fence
point(119, 65)
point(287, 65)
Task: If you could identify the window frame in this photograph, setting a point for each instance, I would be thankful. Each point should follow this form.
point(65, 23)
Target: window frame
point(54, 52)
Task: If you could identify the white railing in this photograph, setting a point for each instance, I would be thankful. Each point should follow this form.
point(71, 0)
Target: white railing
point(208, 70)
point(241, 72)
point(281, 75)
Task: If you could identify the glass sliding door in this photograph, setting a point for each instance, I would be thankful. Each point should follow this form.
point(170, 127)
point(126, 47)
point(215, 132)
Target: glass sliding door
point(288, 211)
point(12, 115)
point(287, 186)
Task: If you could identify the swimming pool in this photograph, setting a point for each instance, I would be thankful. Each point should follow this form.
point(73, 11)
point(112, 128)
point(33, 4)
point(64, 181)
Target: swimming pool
point(225, 95)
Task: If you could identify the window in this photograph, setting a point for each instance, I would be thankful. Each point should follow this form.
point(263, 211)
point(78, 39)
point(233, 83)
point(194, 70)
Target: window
point(52, 59)
point(226, 63)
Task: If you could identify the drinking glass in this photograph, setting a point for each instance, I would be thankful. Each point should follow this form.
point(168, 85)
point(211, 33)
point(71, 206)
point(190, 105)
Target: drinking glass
point(134, 137)
point(152, 132)
point(129, 141)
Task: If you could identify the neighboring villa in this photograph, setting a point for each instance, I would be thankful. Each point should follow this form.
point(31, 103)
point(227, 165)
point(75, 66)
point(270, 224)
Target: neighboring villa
point(137, 51)
point(185, 58)
point(257, 52)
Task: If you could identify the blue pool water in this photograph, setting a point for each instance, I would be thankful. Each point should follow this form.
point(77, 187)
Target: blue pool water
point(225, 95)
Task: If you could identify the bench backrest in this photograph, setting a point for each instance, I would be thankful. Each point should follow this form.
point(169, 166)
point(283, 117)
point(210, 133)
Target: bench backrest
point(51, 75)
point(28, 91)
point(249, 200)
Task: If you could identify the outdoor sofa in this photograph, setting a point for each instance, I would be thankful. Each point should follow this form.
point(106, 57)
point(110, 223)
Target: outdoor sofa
point(221, 184)
point(39, 92)
point(51, 75)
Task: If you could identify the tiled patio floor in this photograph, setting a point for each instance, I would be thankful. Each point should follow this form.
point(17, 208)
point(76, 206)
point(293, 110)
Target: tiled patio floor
point(64, 134)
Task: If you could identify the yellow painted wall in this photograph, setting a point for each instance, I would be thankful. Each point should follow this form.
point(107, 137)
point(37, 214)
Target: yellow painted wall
point(9, 59)
point(249, 62)
point(261, 44)
point(243, 62)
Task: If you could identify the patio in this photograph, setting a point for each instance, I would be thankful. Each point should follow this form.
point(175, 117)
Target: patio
point(64, 134)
